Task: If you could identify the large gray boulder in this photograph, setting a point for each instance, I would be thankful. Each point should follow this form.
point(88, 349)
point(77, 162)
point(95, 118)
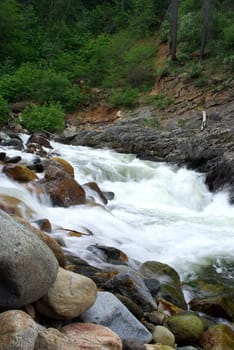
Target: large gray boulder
point(110, 312)
point(28, 268)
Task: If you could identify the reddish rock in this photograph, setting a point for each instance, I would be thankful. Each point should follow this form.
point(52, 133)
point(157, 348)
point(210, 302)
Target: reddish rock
point(90, 336)
point(66, 165)
point(94, 187)
point(62, 188)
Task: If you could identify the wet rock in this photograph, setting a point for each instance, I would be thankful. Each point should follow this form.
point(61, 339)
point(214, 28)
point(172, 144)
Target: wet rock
point(44, 225)
point(131, 285)
point(14, 160)
point(62, 188)
point(187, 348)
point(15, 143)
point(133, 344)
point(110, 312)
point(17, 331)
point(109, 255)
point(14, 206)
point(187, 327)
point(48, 240)
point(70, 295)
point(170, 285)
point(19, 172)
point(2, 156)
point(163, 336)
point(41, 139)
point(89, 336)
point(66, 165)
point(218, 337)
point(109, 195)
point(28, 268)
point(93, 190)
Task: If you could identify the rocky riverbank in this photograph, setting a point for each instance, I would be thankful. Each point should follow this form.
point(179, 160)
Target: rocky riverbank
point(52, 301)
point(174, 135)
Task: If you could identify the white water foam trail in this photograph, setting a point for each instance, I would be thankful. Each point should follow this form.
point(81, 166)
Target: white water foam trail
point(159, 212)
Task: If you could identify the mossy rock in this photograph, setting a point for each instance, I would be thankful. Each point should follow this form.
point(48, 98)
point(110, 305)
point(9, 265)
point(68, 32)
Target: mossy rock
point(170, 284)
point(218, 337)
point(19, 172)
point(65, 164)
point(187, 327)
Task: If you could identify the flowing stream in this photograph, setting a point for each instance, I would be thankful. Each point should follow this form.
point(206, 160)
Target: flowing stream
point(159, 212)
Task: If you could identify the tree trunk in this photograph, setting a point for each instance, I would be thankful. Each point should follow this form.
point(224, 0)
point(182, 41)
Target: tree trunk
point(174, 26)
point(207, 14)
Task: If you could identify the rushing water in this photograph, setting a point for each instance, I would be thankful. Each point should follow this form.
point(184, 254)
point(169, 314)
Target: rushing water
point(159, 212)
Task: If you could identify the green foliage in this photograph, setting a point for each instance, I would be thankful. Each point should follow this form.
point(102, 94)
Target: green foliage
point(195, 71)
point(160, 101)
point(124, 98)
point(3, 110)
point(228, 33)
point(48, 117)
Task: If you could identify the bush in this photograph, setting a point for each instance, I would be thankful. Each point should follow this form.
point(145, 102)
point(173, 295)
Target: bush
point(48, 117)
point(126, 98)
point(3, 110)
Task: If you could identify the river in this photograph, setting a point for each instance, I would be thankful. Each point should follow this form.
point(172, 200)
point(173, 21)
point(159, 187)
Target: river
point(159, 212)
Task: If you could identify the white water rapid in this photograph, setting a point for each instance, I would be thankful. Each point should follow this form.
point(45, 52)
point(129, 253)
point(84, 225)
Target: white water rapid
point(159, 212)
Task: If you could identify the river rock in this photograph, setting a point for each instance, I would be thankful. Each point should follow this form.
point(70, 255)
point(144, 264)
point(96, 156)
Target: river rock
point(163, 336)
point(110, 312)
point(14, 206)
point(53, 339)
point(131, 285)
point(158, 347)
point(218, 337)
point(14, 142)
point(65, 164)
point(93, 190)
point(28, 268)
point(48, 240)
point(70, 295)
point(19, 172)
point(170, 285)
point(187, 327)
point(40, 138)
point(62, 188)
point(18, 331)
point(91, 336)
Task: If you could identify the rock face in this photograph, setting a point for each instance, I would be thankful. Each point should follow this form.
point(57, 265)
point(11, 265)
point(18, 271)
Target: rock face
point(176, 140)
point(70, 295)
point(24, 261)
point(110, 312)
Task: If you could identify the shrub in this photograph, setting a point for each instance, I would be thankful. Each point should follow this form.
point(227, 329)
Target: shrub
point(125, 98)
point(3, 110)
point(48, 117)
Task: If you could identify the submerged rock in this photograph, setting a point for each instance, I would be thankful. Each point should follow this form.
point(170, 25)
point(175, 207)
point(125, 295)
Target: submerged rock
point(170, 285)
point(19, 172)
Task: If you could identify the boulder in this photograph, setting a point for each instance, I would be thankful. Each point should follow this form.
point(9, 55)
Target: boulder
point(91, 336)
point(14, 206)
point(187, 327)
point(163, 336)
point(19, 172)
point(65, 164)
point(18, 331)
point(28, 268)
point(40, 138)
point(48, 240)
point(110, 312)
point(158, 347)
point(170, 285)
point(70, 295)
point(62, 188)
point(218, 337)
point(131, 285)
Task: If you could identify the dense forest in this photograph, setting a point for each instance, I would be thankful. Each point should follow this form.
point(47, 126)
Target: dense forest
point(52, 52)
